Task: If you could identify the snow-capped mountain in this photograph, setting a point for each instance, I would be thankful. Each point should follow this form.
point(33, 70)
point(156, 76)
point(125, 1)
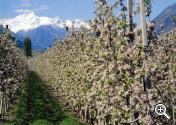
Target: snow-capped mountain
point(30, 21)
point(41, 30)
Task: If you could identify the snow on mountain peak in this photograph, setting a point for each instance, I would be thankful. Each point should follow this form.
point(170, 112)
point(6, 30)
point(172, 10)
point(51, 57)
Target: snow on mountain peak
point(28, 15)
point(29, 21)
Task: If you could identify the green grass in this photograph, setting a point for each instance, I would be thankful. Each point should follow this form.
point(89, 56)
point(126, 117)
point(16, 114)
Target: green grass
point(38, 107)
point(70, 121)
point(41, 122)
point(6, 123)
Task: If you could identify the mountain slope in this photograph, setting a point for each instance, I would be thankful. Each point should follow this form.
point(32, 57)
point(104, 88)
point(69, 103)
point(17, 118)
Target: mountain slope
point(42, 36)
point(42, 30)
point(165, 19)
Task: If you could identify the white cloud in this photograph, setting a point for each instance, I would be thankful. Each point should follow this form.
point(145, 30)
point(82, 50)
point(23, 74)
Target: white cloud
point(40, 8)
point(23, 11)
point(25, 4)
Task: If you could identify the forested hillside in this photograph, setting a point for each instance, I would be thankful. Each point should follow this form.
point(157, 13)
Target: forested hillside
point(165, 20)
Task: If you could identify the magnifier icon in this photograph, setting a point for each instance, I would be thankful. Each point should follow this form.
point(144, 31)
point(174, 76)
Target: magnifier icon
point(160, 109)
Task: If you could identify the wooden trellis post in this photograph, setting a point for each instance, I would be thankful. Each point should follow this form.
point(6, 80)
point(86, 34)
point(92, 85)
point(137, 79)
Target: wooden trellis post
point(130, 20)
point(130, 9)
point(173, 115)
point(143, 23)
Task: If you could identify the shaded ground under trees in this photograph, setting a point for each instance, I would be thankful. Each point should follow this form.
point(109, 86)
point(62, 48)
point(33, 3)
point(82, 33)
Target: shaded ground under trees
point(38, 107)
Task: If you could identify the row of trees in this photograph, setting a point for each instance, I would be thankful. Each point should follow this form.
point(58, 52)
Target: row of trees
point(106, 78)
point(27, 47)
point(13, 69)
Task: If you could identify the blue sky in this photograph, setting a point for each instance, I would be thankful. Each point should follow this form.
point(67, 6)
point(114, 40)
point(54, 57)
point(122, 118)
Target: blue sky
point(67, 9)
